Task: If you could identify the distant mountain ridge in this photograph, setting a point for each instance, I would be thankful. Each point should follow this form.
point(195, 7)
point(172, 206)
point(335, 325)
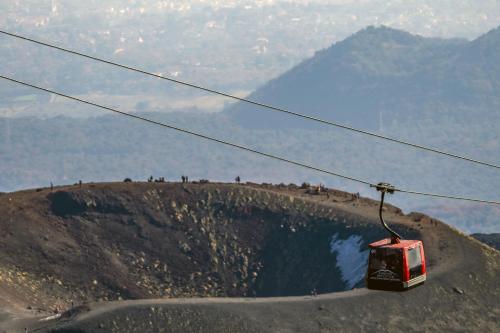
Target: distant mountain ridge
point(384, 72)
point(492, 240)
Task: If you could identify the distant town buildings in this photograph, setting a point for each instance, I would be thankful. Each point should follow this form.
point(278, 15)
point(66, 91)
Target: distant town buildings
point(54, 7)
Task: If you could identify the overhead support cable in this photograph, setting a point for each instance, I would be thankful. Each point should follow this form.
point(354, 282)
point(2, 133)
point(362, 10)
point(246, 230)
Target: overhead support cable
point(259, 104)
point(241, 147)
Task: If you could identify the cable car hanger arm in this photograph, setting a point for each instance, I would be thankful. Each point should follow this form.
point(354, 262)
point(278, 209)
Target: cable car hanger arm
point(386, 188)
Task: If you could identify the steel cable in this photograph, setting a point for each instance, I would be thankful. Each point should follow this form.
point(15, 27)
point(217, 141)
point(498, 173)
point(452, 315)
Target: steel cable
point(234, 145)
point(270, 107)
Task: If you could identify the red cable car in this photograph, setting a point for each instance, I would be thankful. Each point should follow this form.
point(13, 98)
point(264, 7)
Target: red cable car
point(394, 263)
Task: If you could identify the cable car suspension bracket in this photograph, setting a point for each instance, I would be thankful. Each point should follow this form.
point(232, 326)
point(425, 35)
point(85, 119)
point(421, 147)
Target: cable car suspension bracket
point(384, 188)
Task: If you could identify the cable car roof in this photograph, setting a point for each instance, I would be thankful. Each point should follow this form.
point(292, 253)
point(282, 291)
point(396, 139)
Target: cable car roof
point(386, 243)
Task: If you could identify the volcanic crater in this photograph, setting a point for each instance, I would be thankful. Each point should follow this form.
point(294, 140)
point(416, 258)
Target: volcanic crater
point(127, 241)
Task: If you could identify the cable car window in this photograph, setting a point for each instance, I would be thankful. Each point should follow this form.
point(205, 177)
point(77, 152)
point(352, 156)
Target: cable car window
point(386, 264)
point(414, 261)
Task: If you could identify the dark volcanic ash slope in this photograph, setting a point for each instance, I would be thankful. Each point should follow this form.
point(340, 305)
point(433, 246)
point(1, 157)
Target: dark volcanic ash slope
point(113, 241)
point(133, 241)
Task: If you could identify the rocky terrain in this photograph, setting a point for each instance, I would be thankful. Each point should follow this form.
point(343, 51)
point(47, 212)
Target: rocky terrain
point(152, 257)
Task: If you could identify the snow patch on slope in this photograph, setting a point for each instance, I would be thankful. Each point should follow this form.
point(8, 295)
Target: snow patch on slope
point(351, 260)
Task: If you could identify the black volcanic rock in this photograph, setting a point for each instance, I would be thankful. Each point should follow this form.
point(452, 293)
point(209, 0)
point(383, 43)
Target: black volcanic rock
point(65, 203)
point(384, 71)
